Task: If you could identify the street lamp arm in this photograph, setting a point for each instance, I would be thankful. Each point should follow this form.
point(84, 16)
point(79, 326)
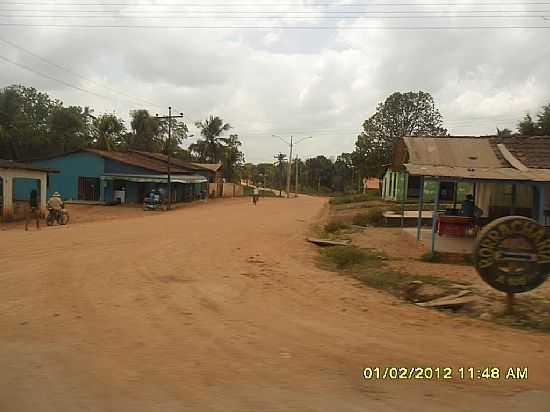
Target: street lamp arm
point(280, 138)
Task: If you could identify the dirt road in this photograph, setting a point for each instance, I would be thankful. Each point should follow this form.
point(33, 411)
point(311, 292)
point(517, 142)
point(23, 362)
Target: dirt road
point(221, 308)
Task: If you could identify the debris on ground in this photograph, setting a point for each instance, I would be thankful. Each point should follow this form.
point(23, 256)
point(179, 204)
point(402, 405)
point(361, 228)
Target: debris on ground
point(326, 242)
point(451, 301)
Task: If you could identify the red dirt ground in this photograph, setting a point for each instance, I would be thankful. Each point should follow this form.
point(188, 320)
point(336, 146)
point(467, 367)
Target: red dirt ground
point(220, 307)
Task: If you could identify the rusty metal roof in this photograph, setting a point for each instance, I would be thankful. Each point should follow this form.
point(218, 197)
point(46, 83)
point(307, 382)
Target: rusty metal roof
point(477, 158)
point(10, 164)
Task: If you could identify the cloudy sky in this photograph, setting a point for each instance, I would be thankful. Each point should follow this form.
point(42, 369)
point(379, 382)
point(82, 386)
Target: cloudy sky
point(303, 68)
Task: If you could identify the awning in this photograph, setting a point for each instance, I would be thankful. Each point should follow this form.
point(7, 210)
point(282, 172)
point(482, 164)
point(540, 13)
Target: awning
point(185, 179)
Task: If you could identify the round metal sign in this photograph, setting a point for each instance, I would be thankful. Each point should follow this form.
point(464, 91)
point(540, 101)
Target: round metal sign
point(512, 254)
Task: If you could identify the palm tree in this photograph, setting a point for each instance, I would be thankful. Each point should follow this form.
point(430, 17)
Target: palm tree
point(280, 160)
point(107, 132)
point(212, 129)
point(232, 156)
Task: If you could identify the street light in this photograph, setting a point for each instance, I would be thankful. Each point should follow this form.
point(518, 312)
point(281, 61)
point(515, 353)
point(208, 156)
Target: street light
point(291, 144)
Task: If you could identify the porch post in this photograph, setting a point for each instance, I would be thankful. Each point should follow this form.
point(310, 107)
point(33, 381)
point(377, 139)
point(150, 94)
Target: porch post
point(7, 208)
point(514, 199)
point(43, 195)
point(420, 208)
point(540, 209)
point(102, 187)
point(434, 217)
point(403, 197)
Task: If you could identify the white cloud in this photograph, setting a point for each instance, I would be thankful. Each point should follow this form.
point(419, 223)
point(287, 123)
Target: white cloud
point(292, 82)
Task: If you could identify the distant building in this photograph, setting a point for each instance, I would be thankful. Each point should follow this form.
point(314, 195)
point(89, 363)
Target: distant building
point(102, 176)
point(13, 174)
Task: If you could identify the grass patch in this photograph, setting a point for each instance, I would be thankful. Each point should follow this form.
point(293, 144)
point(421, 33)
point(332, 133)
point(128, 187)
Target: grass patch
point(348, 258)
point(432, 257)
point(392, 281)
point(373, 216)
point(335, 227)
point(354, 198)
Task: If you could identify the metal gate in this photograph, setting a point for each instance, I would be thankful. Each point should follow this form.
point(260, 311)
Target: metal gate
point(88, 188)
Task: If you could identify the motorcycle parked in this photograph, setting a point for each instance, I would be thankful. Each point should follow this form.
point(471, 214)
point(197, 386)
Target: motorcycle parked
point(150, 203)
point(60, 216)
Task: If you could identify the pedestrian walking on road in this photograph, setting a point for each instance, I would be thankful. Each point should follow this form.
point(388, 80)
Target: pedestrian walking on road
point(255, 195)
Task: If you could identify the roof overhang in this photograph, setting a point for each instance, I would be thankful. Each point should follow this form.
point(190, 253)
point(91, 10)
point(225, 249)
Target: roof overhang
point(504, 173)
point(185, 179)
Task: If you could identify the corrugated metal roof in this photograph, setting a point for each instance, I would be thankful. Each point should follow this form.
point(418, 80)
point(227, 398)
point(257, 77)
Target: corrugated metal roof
point(186, 179)
point(10, 164)
point(449, 151)
point(470, 158)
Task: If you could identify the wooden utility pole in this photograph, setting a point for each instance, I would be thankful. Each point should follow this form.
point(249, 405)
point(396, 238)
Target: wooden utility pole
point(168, 150)
point(291, 145)
point(297, 161)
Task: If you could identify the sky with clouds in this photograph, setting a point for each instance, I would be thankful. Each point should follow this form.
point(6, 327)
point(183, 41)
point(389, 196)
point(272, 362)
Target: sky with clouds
point(301, 68)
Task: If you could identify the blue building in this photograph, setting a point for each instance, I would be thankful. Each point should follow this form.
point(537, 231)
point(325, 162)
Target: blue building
point(102, 176)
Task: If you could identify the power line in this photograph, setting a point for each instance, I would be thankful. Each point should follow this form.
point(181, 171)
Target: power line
point(47, 76)
point(163, 27)
point(329, 4)
point(137, 100)
point(167, 17)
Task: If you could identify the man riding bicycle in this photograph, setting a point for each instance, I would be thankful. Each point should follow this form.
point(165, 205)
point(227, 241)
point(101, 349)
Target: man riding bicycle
point(55, 203)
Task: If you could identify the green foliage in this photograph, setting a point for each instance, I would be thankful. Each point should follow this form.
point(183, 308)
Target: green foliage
point(402, 114)
point(107, 132)
point(335, 227)
point(210, 148)
point(504, 132)
point(527, 127)
point(432, 257)
point(354, 198)
point(373, 217)
point(347, 257)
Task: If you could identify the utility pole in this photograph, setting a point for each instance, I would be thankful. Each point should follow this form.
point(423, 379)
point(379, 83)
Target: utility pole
point(297, 161)
point(289, 170)
point(168, 150)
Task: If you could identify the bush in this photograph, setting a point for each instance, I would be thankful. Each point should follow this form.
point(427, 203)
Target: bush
point(344, 257)
point(373, 216)
point(354, 198)
point(335, 227)
point(433, 257)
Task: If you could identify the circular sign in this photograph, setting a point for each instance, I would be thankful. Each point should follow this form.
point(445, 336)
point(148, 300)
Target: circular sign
point(512, 254)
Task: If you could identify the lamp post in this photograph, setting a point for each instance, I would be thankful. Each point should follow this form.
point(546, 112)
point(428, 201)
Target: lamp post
point(291, 144)
point(168, 150)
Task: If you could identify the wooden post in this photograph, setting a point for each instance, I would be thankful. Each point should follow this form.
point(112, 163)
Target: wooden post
point(510, 303)
point(434, 217)
point(514, 199)
point(420, 209)
point(403, 197)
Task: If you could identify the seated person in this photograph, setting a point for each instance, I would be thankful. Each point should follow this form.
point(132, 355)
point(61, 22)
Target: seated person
point(468, 206)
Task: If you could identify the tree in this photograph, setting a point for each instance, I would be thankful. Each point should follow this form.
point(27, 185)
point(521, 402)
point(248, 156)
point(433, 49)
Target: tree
point(212, 129)
point(233, 158)
point(527, 127)
point(145, 132)
point(68, 128)
point(178, 134)
point(402, 114)
point(280, 163)
point(504, 132)
point(108, 132)
point(543, 122)
point(24, 118)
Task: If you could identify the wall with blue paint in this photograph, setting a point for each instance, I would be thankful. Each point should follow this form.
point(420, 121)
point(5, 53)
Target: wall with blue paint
point(22, 188)
point(71, 167)
point(112, 166)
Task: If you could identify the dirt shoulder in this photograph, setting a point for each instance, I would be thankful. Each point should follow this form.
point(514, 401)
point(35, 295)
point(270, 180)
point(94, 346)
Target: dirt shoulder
point(222, 308)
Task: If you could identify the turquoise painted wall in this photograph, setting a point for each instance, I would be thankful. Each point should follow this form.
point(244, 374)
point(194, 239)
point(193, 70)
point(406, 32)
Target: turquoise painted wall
point(22, 188)
point(71, 167)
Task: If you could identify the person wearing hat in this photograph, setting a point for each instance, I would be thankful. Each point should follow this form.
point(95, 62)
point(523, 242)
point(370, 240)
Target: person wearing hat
point(56, 203)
